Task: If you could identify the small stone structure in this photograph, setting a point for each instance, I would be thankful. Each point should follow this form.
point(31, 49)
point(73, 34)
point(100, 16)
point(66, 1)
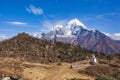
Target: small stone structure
point(93, 60)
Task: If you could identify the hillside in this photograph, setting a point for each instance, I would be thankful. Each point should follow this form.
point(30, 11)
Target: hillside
point(38, 71)
point(29, 48)
point(22, 57)
point(22, 70)
point(32, 49)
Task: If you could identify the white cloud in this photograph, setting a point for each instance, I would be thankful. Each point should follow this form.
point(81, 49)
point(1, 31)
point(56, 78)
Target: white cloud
point(3, 37)
point(15, 23)
point(115, 36)
point(18, 23)
point(107, 34)
point(34, 10)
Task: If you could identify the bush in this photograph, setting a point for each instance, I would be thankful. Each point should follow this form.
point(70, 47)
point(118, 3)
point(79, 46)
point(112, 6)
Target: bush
point(78, 79)
point(59, 63)
point(73, 79)
point(116, 75)
point(106, 78)
point(100, 70)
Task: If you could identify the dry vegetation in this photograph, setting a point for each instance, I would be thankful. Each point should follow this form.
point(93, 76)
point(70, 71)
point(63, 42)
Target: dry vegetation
point(101, 70)
point(56, 71)
point(29, 58)
point(10, 67)
point(37, 71)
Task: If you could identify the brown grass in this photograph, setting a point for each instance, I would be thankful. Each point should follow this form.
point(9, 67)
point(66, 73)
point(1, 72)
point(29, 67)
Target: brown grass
point(100, 70)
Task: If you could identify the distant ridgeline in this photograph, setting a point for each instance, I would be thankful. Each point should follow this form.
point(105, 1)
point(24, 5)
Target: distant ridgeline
point(32, 49)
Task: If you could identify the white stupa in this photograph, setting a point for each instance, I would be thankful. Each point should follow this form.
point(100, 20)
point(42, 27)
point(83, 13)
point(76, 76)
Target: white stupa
point(93, 60)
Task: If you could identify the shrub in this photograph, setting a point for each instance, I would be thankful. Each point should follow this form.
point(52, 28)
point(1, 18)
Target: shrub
point(78, 79)
point(100, 70)
point(59, 63)
point(116, 75)
point(73, 79)
point(106, 78)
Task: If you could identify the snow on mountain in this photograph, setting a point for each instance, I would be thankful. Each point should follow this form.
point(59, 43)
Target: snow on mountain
point(37, 35)
point(71, 29)
point(76, 33)
point(76, 22)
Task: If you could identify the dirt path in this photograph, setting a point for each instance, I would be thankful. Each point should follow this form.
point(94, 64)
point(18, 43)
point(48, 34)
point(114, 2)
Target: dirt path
point(54, 72)
point(67, 74)
point(37, 71)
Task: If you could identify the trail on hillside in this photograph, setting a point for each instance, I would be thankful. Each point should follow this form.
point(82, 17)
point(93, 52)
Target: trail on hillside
point(38, 71)
point(55, 72)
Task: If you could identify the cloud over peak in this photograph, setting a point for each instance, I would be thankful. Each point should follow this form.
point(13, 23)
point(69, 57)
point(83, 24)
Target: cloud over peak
point(35, 10)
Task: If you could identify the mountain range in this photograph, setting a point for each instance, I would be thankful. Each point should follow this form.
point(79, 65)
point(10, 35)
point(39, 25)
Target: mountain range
point(76, 33)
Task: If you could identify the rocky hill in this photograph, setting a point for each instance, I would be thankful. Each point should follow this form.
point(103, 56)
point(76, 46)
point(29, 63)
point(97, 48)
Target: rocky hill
point(32, 49)
point(29, 48)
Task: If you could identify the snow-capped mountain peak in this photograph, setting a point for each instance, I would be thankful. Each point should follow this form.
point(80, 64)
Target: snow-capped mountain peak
point(73, 27)
point(76, 22)
point(76, 33)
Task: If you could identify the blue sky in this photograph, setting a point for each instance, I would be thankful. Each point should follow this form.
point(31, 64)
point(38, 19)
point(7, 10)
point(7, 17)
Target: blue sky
point(34, 16)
